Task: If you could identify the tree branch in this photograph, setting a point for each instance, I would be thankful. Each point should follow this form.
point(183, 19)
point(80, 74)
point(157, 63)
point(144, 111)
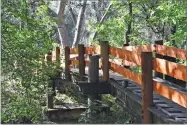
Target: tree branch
point(79, 24)
point(102, 19)
point(72, 16)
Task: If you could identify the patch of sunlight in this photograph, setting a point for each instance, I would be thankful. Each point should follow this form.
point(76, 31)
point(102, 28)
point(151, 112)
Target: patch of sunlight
point(63, 98)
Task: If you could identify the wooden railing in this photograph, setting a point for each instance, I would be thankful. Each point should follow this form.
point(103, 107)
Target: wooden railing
point(136, 56)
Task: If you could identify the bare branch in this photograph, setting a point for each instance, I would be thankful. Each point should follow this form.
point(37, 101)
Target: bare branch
point(103, 18)
point(72, 16)
point(79, 24)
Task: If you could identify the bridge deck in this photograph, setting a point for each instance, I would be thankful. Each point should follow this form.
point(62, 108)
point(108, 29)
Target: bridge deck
point(163, 107)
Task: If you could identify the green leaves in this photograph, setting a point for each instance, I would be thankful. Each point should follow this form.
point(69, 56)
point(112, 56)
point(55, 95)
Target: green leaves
point(151, 20)
point(26, 37)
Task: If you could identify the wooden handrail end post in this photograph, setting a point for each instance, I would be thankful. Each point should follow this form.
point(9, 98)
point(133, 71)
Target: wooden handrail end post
point(147, 86)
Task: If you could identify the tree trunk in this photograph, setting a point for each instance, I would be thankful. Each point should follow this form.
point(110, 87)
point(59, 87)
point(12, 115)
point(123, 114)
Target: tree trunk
point(79, 25)
point(72, 16)
point(60, 25)
point(129, 25)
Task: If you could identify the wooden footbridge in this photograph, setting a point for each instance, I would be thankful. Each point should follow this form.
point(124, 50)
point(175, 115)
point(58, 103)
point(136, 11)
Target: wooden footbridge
point(157, 94)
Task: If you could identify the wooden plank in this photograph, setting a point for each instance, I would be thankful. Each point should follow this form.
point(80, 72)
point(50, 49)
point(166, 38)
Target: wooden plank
point(142, 48)
point(171, 51)
point(74, 58)
point(105, 59)
point(74, 62)
point(81, 52)
point(147, 86)
point(126, 73)
point(92, 50)
point(126, 55)
point(170, 93)
point(121, 61)
point(170, 68)
point(94, 88)
point(73, 50)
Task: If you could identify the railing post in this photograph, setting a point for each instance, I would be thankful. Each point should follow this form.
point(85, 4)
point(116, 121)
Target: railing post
point(157, 74)
point(147, 86)
point(58, 56)
point(50, 86)
point(67, 62)
point(128, 67)
point(93, 77)
point(93, 69)
point(167, 77)
point(81, 52)
point(105, 59)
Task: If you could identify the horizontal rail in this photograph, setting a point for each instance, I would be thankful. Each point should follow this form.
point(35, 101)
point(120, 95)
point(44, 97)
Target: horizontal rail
point(169, 68)
point(139, 49)
point(73, 50)
point(74, 58)
point(173, 95)
point(130, 56)
point(125, 55)
point(92, 50)
point(122, 62)
point(126, 73)
point(159, 49)
point(74, 62)
point(171, 51)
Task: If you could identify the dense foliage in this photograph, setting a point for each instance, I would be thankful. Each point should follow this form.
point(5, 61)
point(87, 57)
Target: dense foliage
point(27, 35)
point(149, 20)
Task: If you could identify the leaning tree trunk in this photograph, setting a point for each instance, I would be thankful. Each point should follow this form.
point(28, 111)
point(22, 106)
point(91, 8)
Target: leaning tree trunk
point(129, 25)
point(79, 24)
point(72, 15)
point(60, 25)
point(102, 19)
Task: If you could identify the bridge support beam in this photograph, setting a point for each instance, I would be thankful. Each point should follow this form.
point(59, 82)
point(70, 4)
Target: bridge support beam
point(147, 86)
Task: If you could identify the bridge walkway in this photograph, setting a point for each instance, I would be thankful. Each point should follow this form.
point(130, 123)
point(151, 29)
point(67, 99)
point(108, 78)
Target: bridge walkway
point(164, 110)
